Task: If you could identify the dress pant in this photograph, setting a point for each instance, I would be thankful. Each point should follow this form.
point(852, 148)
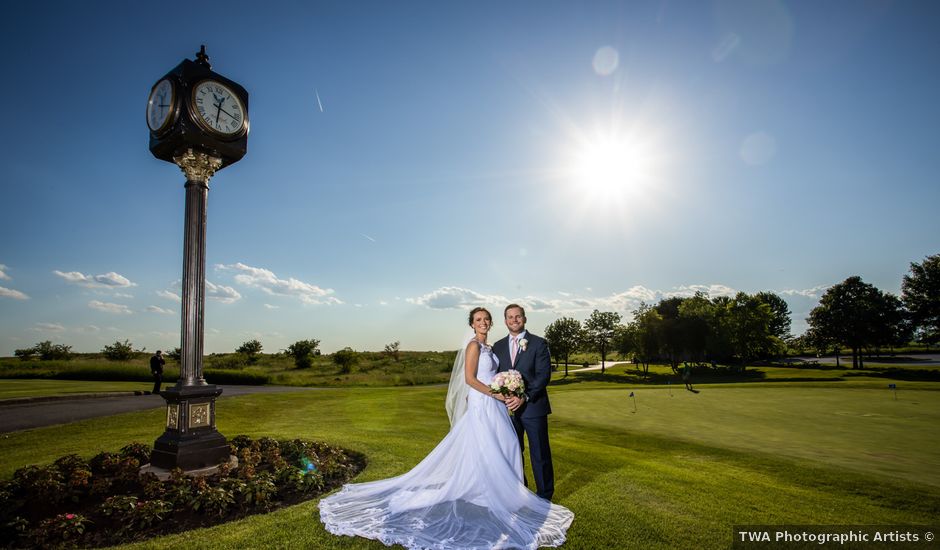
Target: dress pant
point(540, 454)
point(157, 380)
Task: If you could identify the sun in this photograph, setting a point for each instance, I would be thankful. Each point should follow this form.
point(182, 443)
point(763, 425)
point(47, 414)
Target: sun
point(611, 167)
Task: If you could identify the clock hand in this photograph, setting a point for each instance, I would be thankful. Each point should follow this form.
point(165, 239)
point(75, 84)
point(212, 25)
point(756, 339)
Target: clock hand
point(226, 112)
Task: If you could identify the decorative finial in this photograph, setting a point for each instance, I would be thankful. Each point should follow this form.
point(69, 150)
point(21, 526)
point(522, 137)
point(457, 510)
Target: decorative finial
point(202, 58)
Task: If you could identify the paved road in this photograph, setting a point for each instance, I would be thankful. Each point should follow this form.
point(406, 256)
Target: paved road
point(21, 415)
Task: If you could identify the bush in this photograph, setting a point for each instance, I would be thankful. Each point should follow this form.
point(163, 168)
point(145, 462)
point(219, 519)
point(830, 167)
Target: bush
point(250, 349)
point(47, 351)
point(61, 529)
point(270, 473)
point(303, 351)
point(119, 351)
point(175, 354)
point(393, 350)
point(345, 358)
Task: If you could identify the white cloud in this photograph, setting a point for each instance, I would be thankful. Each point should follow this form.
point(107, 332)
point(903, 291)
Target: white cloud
point(383, 303)
point(10, 293)
point(48, 327)
point(268, 282)
point(122, 295)
point(105, 280)
point(158, 309)
point(88, 329)
point(109, 307)
point(169, 295)
point(222, 293)
point(806, 292)
point(3, 275)
point(271, 306)
point(452, 297)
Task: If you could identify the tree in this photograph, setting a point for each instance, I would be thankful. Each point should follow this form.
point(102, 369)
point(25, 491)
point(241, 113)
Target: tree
point(345, 358)
point(563, 337)
point(920, 291)
point(779, 314)
point(47, 351)
point(303, 351)
point(599, 330)
point(672, 331)
point(393, 350)
point(697, 315)
point(751, 335)
point(645, 332)
point(250, 349)
point(857, 315)
point(119, 351)
point(175, 354)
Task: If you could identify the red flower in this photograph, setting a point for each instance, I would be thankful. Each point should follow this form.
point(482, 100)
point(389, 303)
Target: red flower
point(69, 516)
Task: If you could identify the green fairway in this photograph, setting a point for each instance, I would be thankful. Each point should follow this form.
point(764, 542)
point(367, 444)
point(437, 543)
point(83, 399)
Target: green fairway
point(677, 473)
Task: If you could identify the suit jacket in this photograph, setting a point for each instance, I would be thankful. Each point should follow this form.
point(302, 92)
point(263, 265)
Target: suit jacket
point(535, 366)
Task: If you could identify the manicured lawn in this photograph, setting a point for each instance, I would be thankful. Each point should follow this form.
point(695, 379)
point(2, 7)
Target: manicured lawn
point(677, 473)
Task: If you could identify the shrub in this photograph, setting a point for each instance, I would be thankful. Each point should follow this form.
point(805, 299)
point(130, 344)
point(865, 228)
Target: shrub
point(76, 474)
point(258, 492)
point(63, 528)
point(345, 358)
point(131, 514)
point(303, 351)
point(119, 351)
point(250, 349)
point(47, 351)
point(210, 500)
point(25, 354)
point(113, 510)
point(175, 354)
point(218, 376)
point(40, 485)
point(393, 350)
point(140, 451)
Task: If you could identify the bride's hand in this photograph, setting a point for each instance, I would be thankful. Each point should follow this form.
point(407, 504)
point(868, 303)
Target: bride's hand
point(500, 397)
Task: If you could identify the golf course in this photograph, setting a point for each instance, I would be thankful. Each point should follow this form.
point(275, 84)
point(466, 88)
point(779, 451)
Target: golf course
point(665, 468)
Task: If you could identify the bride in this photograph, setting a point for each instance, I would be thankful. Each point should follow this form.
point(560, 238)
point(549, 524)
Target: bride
point(468, 493)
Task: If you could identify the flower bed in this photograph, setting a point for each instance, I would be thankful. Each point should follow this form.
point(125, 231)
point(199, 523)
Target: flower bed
point(106, 500)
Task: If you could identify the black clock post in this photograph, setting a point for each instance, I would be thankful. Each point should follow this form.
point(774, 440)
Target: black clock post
point(198, 120)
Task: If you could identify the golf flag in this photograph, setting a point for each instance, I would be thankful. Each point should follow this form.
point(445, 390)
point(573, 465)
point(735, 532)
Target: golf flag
point(631, 394)
point(892, 386)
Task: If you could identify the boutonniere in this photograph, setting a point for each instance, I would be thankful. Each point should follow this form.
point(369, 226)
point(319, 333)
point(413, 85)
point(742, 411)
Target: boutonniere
point(523, 343)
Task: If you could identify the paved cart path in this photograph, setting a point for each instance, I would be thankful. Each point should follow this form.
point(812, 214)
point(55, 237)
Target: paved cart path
point(24, 414)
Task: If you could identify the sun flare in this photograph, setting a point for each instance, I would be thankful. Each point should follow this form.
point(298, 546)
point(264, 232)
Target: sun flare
point(611, 166)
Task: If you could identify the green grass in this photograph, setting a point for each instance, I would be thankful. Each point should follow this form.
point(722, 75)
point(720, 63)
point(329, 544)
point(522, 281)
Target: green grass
point(12, 388)
point(372, 369)
point(677, 473)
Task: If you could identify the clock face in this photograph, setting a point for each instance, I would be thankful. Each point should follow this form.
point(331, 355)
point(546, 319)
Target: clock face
point(160, 105)
point(217, 108)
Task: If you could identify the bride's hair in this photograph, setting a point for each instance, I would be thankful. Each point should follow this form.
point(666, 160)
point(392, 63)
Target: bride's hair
point(475, 310)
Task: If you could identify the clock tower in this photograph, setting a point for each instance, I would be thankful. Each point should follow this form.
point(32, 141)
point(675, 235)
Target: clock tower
point(198, 120)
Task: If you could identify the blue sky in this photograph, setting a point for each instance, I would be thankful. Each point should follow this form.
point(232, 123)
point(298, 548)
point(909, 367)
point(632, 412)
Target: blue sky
point(566, 155)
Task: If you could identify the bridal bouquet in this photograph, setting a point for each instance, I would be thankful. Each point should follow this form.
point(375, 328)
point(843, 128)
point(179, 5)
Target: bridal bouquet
point(508, 383)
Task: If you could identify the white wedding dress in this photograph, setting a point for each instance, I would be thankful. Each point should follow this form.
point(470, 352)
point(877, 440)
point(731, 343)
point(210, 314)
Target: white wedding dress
point(467, 493)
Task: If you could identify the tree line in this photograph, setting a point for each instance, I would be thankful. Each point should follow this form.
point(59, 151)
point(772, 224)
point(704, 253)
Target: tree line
point(738, 330)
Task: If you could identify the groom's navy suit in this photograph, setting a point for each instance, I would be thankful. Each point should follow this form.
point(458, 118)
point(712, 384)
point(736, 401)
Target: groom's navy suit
point(535, 365)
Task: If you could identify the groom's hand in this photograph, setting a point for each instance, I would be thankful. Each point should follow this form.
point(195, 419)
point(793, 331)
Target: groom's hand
point(514, 403)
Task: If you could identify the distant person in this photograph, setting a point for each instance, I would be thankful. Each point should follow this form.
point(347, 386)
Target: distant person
point(687, 376)
point(156, 369)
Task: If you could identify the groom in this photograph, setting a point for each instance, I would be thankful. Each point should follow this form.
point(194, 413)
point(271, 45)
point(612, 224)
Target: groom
point(528, 354)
